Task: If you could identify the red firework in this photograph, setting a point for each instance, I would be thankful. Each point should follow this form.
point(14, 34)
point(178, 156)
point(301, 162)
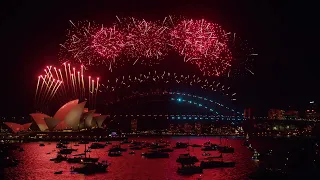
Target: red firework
point(202, 43)
point(145, 39)
point(78, 46)
point(108, 42)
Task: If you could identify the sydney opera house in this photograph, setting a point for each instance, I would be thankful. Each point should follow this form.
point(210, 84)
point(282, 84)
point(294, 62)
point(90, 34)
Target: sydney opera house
point(71, 116)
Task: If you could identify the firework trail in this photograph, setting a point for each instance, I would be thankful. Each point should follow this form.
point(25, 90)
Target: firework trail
point(164, 79)
point(53, 86)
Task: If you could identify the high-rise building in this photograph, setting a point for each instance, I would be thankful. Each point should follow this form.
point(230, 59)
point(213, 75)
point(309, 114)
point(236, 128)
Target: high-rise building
point(134, 125)
point(312, 111)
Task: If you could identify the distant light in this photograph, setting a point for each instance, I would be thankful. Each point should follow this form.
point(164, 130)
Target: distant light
point(311, 102)
point(179, 99)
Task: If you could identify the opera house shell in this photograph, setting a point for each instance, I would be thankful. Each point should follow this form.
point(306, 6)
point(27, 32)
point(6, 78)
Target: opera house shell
point(73, 115)
point(15, 127)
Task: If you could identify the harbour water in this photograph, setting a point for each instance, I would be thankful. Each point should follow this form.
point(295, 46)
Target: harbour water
point(35, 164)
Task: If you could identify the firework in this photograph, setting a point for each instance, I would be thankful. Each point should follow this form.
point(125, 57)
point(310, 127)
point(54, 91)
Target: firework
point(64, 85)
point(144, 39)
point(78, 46)
point(108, 42)
point(200, 42)
point(204, 44)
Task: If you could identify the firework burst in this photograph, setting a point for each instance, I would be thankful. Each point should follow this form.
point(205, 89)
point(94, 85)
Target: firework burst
point(144, 39)
point(204, 44)
point(78, 46)
point(200, 42)
point(108, 42)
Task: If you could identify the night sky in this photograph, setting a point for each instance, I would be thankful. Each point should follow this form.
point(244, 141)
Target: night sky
point(283, 33)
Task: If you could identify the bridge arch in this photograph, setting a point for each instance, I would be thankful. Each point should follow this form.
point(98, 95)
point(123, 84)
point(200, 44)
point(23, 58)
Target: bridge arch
point(211, 106)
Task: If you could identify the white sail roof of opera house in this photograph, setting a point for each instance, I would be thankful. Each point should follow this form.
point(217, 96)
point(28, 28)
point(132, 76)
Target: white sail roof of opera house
point(98, 120)
point(72, 119)
point(71, 115)
point(51, 122)
point(86, 120)
point(65, 109)
point(39, 119)
point(15, 127)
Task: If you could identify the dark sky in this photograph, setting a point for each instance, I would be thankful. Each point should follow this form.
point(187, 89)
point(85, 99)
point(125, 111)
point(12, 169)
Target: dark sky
point(284, 34)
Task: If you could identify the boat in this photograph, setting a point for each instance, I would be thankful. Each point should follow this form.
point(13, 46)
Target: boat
point(82, 160)
point(124, 142)
point(117, 148)
point(58, 172)
point(250, 147)
point(213, 157)
point(114, 153)
point(48, 153)
point(206, 154)
point(226, 149)
point(255, 156)
point(97, 146)
point(59, 158)
point(83, 142)
point(132, 152)
point(64, 142)
point(245, 143)
point(60, 145)
point(196, 145)
point(187, 159)
point(209, 147)
point(41, 144)
point(189, 169)
point(207, 164)
point(157, 146)
point(181, 145)
point(67, 151)
point(166, 150)
point(108, 143)
point(87, 150)
point(155, 154)
point(90, 168)
point(136, 148)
